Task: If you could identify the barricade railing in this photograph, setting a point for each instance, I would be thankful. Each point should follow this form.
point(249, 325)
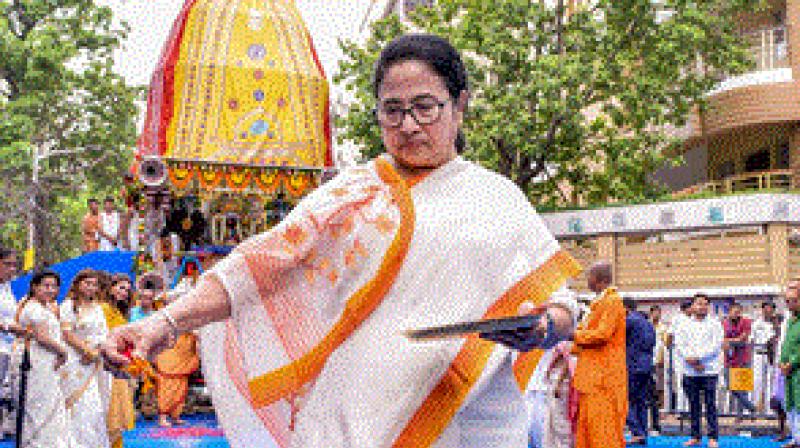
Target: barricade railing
point(750, 379)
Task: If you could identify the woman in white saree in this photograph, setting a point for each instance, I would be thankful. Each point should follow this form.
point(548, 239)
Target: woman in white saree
point(86, 385)
point(312, 351)
point(46, 424)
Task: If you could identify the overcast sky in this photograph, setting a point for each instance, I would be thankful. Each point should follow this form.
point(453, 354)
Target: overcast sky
point(151, 21)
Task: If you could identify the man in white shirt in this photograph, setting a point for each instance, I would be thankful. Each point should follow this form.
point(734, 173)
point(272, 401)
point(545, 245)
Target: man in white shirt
point(109, 226)
point(699, 345)
point(8, 309)
point(762, 335)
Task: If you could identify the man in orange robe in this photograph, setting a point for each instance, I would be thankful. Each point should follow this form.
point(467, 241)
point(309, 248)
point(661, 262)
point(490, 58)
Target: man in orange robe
point(601, 374)
point(177, 364)
point(174, 367)
point(90, 226)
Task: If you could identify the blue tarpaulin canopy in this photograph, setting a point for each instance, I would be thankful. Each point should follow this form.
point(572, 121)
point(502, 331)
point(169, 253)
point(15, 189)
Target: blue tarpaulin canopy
point(116, 262)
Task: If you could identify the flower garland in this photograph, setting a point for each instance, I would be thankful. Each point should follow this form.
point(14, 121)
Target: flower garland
point(180, 177)
point(210, 178)
point(238, 178)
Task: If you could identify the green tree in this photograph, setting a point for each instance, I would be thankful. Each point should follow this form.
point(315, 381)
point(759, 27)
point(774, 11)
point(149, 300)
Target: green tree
point(61, 104)
point(581, 98)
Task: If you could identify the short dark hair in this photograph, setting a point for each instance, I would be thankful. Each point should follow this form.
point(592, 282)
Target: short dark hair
point(434, 51)
point(40, 274)
point(699, 296)
point(629, 304)
point(735, 304)
point(109, 199)
point(91, 201)
point(655, 307)
point(603, 271)
point(767, 303)
point(6, 252)
point(686, 304)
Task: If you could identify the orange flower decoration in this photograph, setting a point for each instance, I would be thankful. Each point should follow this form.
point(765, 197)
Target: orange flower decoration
point(295, 235)
point(324, 264)
point(310, 275)
point(180, 177)
point(384, 224)
point(333, 276)
point(344, 228)
point(339, 192)
point(142, 369)
point(238, 178)
point(210, 178)
point(352, 254)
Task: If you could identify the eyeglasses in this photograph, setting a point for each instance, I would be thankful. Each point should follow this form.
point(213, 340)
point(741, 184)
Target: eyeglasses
point(425, 110)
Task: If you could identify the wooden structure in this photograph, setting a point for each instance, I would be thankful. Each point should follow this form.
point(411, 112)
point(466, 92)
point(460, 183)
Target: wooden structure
point(237, 126)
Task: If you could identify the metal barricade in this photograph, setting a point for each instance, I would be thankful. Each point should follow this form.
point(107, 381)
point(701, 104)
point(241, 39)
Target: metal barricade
point(748, 380)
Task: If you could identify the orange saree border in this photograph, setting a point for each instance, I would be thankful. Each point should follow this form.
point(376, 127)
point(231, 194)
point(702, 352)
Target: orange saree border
point(447, 397)
point(282, 382)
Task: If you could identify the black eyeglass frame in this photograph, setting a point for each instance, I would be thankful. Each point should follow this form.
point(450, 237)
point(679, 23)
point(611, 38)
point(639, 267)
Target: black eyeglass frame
point(439, 104)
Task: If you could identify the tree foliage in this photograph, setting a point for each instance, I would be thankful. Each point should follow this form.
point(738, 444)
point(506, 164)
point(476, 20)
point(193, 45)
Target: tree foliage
point(582, 98)
point(60, 99)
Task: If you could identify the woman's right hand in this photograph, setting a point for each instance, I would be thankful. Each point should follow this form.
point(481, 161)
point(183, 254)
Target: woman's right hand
point(143, 339)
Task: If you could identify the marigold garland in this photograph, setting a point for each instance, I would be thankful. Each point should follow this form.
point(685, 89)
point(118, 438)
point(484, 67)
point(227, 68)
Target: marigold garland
point(238, 178)
point(140, 368)
point(268, 181)
point(180, 177)
point(297, 184)
point(210, 178)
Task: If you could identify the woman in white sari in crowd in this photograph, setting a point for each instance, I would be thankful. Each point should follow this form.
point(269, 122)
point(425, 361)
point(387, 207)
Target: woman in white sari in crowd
point(46, 423)
point(313, 352)
point(86, 384)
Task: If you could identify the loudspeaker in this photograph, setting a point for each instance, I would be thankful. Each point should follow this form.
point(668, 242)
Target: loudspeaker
point(152, 171)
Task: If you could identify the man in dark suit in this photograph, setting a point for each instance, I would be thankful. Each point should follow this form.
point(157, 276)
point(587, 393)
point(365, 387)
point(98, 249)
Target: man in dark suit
point(640, 340)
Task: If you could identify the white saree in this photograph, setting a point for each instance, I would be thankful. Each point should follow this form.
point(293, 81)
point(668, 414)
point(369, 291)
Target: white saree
point(314, 353)
point(87, 387)
point(46, 423)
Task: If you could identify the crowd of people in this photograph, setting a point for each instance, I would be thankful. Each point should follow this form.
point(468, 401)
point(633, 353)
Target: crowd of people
point(304, 327)
point(73, 398)
point(111, 229)
point(693, 362)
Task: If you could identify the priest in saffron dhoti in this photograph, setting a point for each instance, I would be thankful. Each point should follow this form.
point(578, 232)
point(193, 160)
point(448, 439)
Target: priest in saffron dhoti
point(314, 311)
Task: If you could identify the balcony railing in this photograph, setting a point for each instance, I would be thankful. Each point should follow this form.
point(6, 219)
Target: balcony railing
point(765, 180)
point(769, 48)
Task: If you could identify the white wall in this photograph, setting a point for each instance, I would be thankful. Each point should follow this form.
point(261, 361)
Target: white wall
point(739, 210)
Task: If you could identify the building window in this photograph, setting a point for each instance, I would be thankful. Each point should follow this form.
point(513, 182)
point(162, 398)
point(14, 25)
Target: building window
point(782, 157)
point(758, 161)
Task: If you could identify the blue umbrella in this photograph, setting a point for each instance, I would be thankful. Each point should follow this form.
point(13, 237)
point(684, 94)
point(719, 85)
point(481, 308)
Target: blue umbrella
point(115, 262)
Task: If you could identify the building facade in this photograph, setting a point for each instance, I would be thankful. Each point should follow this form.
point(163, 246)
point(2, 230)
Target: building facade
point(743, 152)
